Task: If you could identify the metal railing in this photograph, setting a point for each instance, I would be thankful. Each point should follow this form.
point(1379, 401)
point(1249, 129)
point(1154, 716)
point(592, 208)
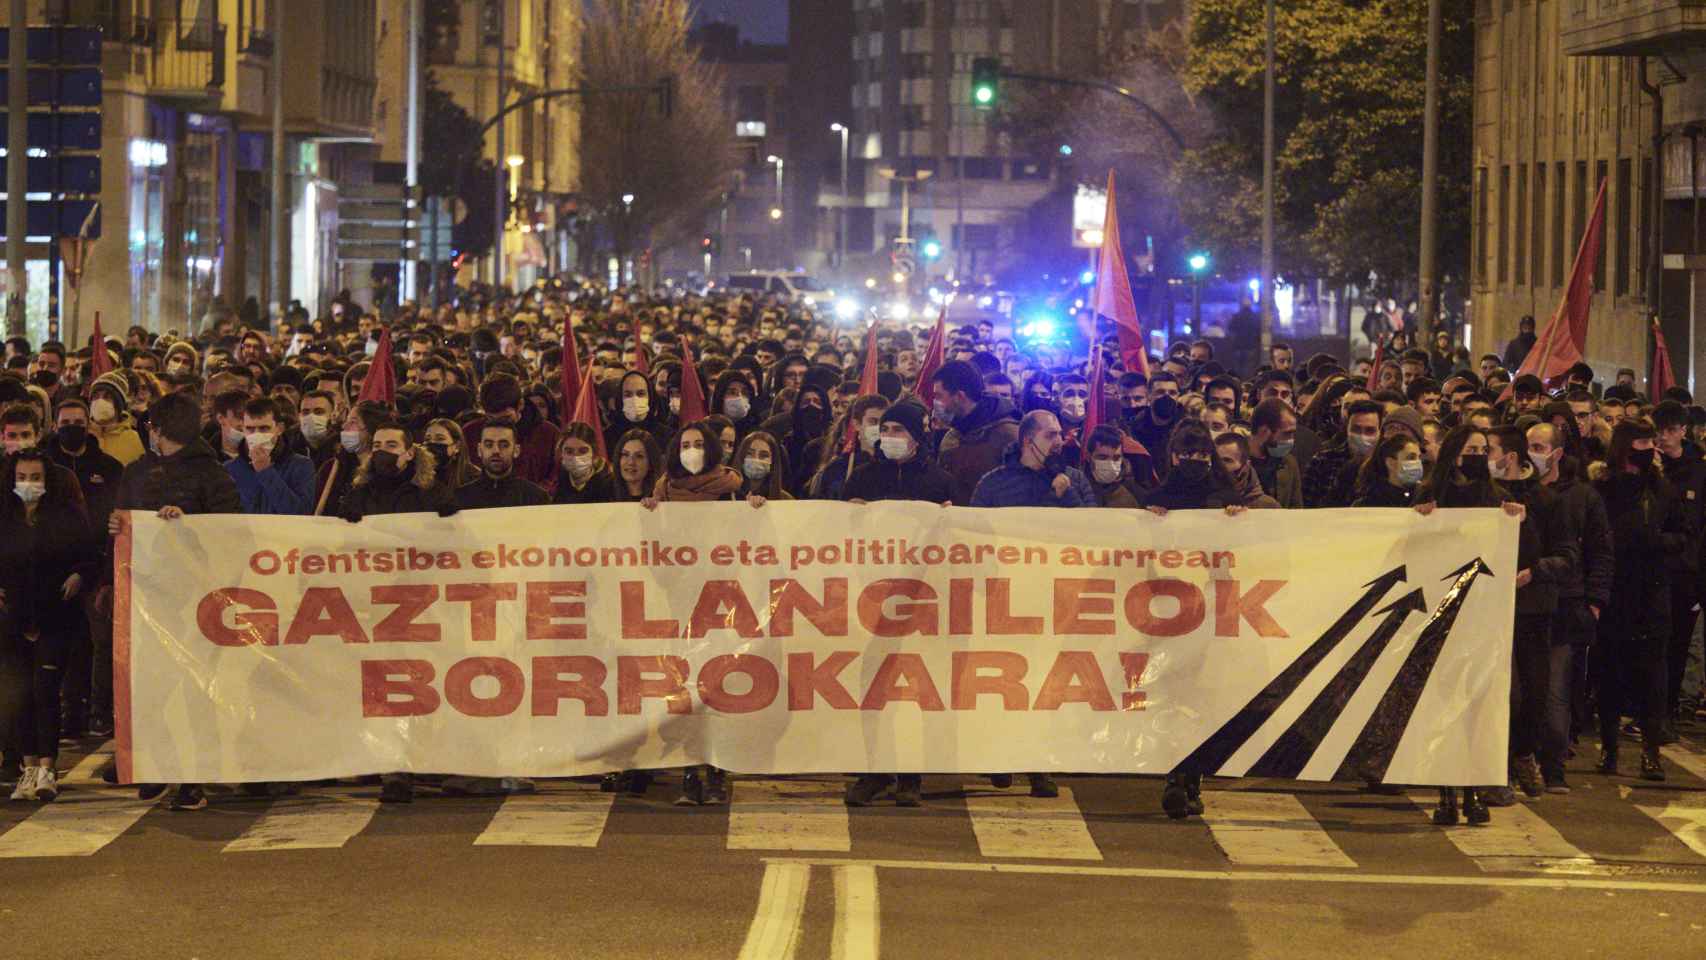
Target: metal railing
point(186, 55)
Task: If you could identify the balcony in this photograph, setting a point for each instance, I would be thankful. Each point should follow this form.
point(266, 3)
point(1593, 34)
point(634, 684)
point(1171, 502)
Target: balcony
point(186, 59)
point(1633, 27)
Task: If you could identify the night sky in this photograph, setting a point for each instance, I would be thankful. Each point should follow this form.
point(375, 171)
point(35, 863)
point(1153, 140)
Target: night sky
point(764, 21)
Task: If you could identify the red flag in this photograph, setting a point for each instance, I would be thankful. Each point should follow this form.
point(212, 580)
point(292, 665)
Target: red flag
point(867, 384)
point(571, 373)
point(932, 361)
point(100, 361)
point(1374, 371)
point(642, 360)
point(1663, 377)
point(381, 382)
point(692, 394)
point(586, 411)
point(1112, 298)
point(1560, 346)
point(1094, 413)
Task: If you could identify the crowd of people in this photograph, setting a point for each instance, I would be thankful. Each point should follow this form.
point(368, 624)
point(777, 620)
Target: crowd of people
point(1609, 484)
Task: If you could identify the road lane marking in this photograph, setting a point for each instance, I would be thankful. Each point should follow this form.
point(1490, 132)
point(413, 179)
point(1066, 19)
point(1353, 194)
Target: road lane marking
point(1260, 876)
point(316, 822)
point(1516, 839)
point(856, 935)
point(788, 815)
point(573, 818)
point(1269, 830)
point(88, 769)
point(1685, 758)
point(775, 930)
point(1031, 828)
point(74, 827)
point(1684, 816)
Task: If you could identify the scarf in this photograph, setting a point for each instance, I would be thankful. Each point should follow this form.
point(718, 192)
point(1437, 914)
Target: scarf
point(716, 483)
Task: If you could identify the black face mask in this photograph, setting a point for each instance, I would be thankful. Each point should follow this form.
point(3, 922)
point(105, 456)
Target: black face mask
point(1192, 471)
point(1132, 410)
point(1643, 460)
point(813, 420)
point(385, 464)
point(72, 436)
point(1474, 466)
point(1164, 408)
point(440, 451)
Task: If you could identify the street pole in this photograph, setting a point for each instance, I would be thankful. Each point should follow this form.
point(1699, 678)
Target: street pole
point(17, 156)
point(280, 284)
point(1266, 293)
point(841, 220)
point(1429, 305)
point(412, 151)
point(499, 200)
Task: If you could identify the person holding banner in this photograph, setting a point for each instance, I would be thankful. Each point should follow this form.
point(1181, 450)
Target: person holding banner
point(639, 466)
point(582, 475)
point(499, 485)
point(762, 463)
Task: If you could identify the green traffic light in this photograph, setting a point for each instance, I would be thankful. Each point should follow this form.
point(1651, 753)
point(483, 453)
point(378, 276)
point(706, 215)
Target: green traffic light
point(984, 94)
point(1198, 262)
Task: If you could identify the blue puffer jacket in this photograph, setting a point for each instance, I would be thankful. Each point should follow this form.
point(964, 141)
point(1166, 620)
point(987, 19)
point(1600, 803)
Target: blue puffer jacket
point(1013, 485)
point(285, 488)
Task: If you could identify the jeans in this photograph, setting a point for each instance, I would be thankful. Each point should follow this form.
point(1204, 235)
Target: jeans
point(30, 676)
point(1572, 631)
point(1630, 670)
point(1530, 672)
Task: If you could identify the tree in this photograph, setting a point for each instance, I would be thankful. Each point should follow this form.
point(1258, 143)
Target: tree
point(455, 168)
point(1348, 77)
point(677, 167)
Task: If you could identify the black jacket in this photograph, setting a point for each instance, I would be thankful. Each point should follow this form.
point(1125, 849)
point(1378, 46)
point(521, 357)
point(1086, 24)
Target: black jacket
point(883, 479)
point(1645, 534)
point(1384, 494)
point(602, 487)
point(1176, 493)
point(411, 492)
point(1549, 547)
point(511, 491)
point(36, 559)
point(1598, 565)
point(1687, 476)
point(193, 480)
point(97, 474)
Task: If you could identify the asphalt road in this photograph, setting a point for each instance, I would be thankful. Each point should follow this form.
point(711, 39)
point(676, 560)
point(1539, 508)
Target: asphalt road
point(1616, 869)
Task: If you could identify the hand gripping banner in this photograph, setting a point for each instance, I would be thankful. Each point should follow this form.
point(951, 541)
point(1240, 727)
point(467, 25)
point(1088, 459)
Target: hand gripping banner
point(817, 637)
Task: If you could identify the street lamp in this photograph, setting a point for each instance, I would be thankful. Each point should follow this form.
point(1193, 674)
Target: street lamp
point(1198, 262)
point(841, 221)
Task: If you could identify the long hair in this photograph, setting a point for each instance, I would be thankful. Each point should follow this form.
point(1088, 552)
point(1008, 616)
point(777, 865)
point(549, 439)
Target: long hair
point(654, 459)
point(457, 467)
point(58, 499)
point(1444, 472)
point(713, 450)
point(1373, 470)
point(1623, 437)
point(771, 487)
point(1190, 436)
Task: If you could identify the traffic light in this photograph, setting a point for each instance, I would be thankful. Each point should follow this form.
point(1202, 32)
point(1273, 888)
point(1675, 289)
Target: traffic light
point(985, 82)
point(931, 248)
point(1198, 262)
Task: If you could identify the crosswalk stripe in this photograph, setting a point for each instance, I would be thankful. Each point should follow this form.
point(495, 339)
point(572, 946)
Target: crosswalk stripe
point(1685, 758)
point(1684, 816)
point(87, 768)
point(73, 827)
point(788, 815)
point(572, 818)
point(313, 823)
point(855, 936)
point(1269, 830)
point(1516, 838)
point(775, 930)
point(1031, 827)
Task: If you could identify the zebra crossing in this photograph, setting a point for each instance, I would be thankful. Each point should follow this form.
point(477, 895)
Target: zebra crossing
point(1251, 824)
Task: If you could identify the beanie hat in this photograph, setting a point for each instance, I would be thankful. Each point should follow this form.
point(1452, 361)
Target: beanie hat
point(1409, 419)
point(910, 416)
point(119, 385)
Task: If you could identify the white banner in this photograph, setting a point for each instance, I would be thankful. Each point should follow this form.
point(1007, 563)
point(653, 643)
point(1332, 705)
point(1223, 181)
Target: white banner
point(817, 637)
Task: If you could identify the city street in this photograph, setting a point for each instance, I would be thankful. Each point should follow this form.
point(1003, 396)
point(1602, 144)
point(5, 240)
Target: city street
point(1618, 868)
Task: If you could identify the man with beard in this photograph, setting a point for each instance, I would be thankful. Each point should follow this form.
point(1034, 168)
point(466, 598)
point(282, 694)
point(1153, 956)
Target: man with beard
point(499, 485)
point(535, 437)
point(1152, 427)
point(981, 427)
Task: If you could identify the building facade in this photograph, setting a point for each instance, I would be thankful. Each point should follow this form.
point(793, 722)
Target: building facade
point(1570, 94)
point(756, 225)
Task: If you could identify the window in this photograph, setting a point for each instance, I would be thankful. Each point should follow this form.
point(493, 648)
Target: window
point(912, 117)
point(1625, 223)
point(1580, 195)
point(1479, 254)
point(915, 66)
point(1537, 229)
point(1030, 170)
point(749, 128)
point(1500, 212)
point(1599, 261)
point(912, 15)
point(1644, 227)
point(1558, 224)
point(980, 168)
point(1520, 213)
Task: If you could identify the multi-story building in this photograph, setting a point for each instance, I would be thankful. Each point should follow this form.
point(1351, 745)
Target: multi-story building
point(186, 119)
point(1565, 99)
point(755, 227)
point(539, 142)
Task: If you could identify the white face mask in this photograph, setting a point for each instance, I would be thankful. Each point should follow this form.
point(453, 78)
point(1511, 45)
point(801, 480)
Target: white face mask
point(314, 427)
point(30, 491)
point(636, 408)
point(102, 410)
point(693, 460)
point(233, 436)
point(351, 440)
point(870, 435)
point(756, 469)
point(1073, 407)
point(260, 441)
point(1105, 471)
point(580, 466)
point(896, 448)
point(674, 406)
point(736, 408)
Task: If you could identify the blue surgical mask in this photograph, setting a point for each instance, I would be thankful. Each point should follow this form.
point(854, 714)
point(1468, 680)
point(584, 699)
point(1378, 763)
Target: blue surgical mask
point(1410, 473)
point(1280, 449)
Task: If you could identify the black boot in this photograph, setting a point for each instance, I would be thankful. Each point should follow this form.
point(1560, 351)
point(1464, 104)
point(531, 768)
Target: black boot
point(1474, 810)
point(1651, 767)
point(1176, 797)
point(1193, 794)
point(1608, 758)
point(1445, 815)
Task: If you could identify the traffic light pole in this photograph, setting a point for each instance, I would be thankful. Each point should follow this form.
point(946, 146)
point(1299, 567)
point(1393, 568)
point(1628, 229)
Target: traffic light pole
point(1124, 93)
point(17, 154)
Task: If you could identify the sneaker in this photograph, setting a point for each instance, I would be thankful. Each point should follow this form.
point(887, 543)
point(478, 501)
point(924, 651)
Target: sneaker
point(692, 790)
point(1607, 762)
point(1528, 775)
point(1042, 785)
point(908, 791)
point(149, 791)
point(47, 785)
point(1001, 781)
point(716, 788)
point(869, 787)
point(514, 785)
point(397, 790)
point(26, 788)
point(101, 727)
point(189, 797)
point(1175, 801)
point(1500, 796)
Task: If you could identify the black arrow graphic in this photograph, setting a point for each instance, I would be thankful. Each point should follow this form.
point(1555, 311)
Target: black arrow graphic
point(1208, 757)
point(1291, 752)
point(1372, 752)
